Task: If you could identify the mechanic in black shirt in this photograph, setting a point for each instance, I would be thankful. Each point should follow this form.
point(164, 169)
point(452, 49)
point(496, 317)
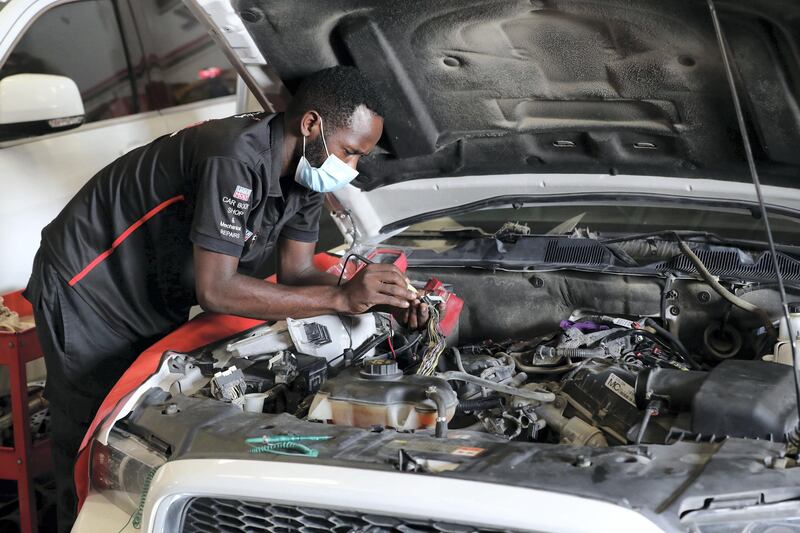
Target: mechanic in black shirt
point(192, 218)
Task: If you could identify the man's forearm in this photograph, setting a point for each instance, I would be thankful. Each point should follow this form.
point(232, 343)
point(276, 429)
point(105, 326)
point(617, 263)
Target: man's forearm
point(251, 297)
point(311, 276)
point(222, 289)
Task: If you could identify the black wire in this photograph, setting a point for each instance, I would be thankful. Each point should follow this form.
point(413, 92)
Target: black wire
point(361, 351)
point(401, 350)
point(344, 268)
point(338, 283)
point(653, 338)
point(344, 265)
point(335, 359)
point(407, 346)
point(676, 343)
point(341, 317)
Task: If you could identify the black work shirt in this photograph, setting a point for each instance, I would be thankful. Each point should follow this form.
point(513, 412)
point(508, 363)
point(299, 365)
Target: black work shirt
point(124, 242)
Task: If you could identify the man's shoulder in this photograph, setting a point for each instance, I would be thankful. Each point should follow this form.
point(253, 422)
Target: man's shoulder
point(244, 137)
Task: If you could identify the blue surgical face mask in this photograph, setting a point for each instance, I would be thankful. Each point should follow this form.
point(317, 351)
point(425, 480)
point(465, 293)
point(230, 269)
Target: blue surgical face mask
point(333, 174)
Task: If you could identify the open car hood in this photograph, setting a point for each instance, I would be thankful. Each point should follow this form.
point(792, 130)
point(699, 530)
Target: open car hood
point(545, 86)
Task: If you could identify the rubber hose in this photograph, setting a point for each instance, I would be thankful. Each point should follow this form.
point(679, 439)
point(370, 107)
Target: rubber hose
point(441, 411)
point(522, 367)
point(459, 362)
point(481, 404)
point(528, 394)
point(725, 293)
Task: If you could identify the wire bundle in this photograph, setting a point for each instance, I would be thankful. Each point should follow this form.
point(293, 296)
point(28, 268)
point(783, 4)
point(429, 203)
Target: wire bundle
point(434, 347)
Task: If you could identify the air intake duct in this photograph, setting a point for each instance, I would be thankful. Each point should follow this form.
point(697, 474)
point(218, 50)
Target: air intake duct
point(746, 399)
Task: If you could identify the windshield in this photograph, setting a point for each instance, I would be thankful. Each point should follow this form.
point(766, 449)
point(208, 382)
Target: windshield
point(607, 221)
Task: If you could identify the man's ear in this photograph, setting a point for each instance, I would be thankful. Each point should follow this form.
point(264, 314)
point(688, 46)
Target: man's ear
point(309, 124)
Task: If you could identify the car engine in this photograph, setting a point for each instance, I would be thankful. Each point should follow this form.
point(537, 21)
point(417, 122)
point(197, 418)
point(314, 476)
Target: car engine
point(583, 378)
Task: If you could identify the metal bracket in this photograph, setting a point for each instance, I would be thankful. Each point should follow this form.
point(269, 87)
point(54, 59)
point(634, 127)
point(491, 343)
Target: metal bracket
point(343, 219)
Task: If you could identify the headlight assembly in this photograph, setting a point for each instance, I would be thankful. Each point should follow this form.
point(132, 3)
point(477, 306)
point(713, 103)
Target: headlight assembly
point(121, 469)
point(782, 517)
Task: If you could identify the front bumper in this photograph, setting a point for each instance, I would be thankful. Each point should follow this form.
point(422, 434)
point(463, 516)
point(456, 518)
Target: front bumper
point(100, 514)
point(377, 492)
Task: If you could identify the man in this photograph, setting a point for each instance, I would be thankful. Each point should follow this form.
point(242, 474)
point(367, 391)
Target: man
point(193, 217)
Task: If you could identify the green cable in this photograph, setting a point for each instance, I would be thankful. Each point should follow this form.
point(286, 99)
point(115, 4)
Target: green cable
point(137, 516)
point(286, 448)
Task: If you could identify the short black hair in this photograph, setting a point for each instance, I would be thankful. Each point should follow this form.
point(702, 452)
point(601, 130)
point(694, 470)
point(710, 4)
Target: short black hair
point(335, 93)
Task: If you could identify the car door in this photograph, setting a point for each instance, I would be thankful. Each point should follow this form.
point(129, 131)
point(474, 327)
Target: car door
point(190, 79)
point(85, 41)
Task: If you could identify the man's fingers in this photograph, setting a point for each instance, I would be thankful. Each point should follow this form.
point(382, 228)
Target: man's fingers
point(391, 275)
point(393, 278)
point(385, 299)
point(394, 290)
point(423, 314)
point(405, 316)
point(412, 323)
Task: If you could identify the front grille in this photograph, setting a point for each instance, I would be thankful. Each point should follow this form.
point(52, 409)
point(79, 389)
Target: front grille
point(213, 515)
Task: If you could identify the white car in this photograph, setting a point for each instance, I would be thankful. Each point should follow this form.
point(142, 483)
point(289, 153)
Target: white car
point(567, 180)
point(81, 83)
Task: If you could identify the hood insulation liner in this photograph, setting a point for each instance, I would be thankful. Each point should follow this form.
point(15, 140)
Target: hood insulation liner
point(556, 86)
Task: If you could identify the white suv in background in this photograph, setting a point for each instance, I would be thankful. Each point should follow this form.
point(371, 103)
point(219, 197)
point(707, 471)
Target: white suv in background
point(83, 82)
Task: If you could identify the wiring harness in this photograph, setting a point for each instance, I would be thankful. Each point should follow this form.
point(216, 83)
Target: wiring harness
point(435, 342)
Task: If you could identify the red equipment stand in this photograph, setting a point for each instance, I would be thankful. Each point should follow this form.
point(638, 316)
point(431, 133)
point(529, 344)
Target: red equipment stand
point(26, 459)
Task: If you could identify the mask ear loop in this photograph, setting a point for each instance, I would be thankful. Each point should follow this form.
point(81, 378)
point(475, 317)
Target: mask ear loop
point(322, 132)
point(304, 145)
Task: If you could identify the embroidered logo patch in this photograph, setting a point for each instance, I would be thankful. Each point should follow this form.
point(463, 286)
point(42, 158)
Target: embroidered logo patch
point(242, 193)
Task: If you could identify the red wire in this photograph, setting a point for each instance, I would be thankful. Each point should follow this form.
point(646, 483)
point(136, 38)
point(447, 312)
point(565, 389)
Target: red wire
point(391, 347)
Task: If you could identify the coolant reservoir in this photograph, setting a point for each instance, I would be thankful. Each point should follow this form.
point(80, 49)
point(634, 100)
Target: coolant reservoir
point(381, 395)
point(783, 349)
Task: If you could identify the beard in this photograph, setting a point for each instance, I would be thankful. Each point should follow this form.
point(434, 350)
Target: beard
point(315, 152)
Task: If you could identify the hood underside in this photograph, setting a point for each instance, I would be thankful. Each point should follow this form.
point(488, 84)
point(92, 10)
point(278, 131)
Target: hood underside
point(550, 86)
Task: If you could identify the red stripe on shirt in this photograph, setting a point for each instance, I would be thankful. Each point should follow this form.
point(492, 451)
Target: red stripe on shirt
point(124, 235)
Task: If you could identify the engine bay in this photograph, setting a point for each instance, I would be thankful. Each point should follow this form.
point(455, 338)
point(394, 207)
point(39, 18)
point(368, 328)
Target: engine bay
point(554, 357)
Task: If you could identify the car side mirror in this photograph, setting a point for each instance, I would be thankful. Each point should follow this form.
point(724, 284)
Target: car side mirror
point(36, 104)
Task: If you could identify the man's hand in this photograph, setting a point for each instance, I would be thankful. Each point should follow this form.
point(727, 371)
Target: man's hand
point(415, 317)
point(377, 284)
